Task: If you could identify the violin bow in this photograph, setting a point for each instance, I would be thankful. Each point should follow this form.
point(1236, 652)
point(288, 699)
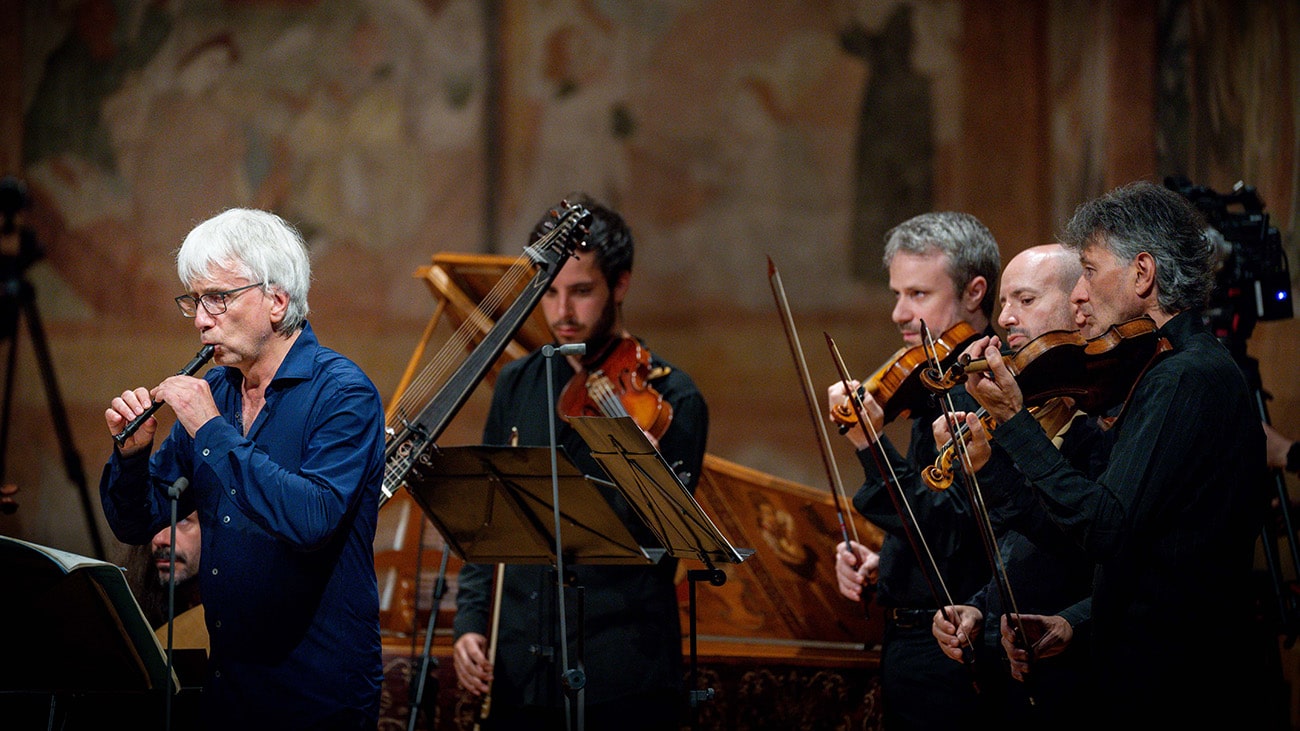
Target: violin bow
point(838, 494)
point(980, 509)
point(911, 527)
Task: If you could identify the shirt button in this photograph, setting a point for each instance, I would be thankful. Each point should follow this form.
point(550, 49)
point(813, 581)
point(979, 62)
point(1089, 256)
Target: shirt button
point(225, 519)
point(206, 452)
point(214, 572)
point(217, 673)
point(217, 624)
point(232, 492)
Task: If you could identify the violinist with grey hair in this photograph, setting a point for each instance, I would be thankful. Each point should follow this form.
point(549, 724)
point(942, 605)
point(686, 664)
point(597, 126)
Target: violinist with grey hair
point(282, 444)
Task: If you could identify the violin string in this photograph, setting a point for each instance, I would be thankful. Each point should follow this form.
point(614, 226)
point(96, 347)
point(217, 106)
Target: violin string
point(602, 392)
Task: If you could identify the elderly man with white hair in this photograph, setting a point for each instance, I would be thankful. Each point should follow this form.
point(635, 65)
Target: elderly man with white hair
point(282, 445)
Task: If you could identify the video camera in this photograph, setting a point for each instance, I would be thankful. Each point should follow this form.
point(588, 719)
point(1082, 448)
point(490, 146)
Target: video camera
point(15, 259)
point(1253, 282)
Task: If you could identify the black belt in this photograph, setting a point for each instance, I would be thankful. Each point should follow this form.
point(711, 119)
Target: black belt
point(905, 618)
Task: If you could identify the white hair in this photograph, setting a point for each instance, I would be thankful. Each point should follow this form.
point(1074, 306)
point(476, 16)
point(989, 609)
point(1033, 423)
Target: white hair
point(257, 245)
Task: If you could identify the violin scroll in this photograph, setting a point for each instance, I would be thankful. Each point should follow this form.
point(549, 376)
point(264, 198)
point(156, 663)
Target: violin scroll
point(1052, 416)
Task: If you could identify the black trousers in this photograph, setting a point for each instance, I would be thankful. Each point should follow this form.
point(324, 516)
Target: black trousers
point(921, 688)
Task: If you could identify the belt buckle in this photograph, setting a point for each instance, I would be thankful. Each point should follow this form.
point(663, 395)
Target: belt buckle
point(907, 618)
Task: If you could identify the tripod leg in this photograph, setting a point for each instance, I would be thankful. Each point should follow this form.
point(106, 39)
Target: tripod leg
point(71, 460)
point(1289, 610)
point(8, 400)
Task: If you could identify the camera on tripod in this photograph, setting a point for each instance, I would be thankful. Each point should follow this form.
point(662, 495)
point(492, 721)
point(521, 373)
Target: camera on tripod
point(1254, 280)
point(14, 260)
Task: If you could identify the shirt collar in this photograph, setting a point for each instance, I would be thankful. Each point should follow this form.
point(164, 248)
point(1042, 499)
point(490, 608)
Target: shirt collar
point(297, 364)
point(1182, 327)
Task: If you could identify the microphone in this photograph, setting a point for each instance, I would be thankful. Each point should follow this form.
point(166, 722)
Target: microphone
point(178, 487)
point(570, 349)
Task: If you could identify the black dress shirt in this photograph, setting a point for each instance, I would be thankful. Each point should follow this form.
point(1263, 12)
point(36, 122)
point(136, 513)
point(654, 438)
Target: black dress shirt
point(945, 517)
point(631, 633)
point(1171, 523)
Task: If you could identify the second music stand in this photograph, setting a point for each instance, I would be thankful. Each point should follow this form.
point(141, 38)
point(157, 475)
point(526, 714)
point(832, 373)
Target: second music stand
point(499, 505)
point(667, 508)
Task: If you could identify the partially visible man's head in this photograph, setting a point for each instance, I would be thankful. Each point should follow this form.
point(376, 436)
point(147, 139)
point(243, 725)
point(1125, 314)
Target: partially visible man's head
point(1144, 250)
point(189, 544)
point(609, 239)
point(942, 269)
point(582, 303)
point(1035, 293)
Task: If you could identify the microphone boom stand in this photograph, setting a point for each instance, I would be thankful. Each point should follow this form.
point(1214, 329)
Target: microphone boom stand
point(439, 587)
point(573, 679)
point(173, 495)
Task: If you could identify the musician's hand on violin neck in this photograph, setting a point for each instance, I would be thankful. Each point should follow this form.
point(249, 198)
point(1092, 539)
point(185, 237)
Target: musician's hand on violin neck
point(995, 388)
point(654, 441)
point(842, 411)
point(977, 440)
point(838, 393)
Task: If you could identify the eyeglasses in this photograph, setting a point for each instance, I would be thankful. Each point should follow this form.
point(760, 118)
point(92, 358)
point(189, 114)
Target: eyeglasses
point(214, 303)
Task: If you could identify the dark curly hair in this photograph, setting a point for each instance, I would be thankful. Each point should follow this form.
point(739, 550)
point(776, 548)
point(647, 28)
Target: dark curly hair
point(608, 237)
point(1146, 217)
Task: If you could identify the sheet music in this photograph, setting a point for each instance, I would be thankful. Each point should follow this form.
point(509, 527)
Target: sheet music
point(651, 486)
point(494, 505)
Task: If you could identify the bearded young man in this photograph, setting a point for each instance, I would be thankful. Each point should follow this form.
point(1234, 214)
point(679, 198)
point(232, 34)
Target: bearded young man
point(631, 631)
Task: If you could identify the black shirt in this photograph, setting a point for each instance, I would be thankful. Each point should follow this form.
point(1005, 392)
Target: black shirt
point(631, 636)
point(1171, 523)
point(947, 523)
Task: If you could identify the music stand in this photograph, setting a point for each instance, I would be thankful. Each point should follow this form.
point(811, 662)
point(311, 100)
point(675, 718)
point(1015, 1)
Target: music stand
point(75, 632)
point(658, 496)
point(498, 505)
point(494, 505)
point(666, 507)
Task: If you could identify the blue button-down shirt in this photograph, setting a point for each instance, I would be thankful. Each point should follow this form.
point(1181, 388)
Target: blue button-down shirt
point(288, 517)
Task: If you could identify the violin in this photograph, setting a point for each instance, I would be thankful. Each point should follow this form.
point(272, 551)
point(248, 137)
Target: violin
point(616, 382)
point(1094, 373)
point(1052, 416)
point(896, 385)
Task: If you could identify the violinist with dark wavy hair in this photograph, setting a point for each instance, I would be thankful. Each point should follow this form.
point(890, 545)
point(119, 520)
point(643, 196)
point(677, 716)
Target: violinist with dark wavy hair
point(631, 631)
point(1172, 520)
